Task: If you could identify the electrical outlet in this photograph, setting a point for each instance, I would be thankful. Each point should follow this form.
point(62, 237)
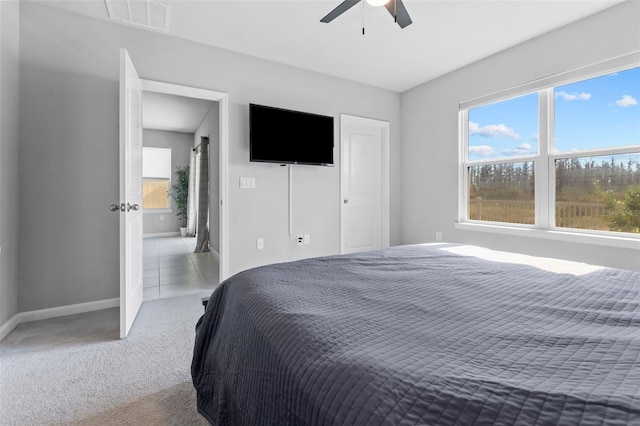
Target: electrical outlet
point(300, 240)
point(438, 236)
point(161, 217)
point(306, 239)
point(259, 243)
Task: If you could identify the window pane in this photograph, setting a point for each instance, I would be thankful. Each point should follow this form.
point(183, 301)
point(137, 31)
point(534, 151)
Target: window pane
point(601, 112)
point(502, 193)
point(154, 194)
point(600, 193)
point(156, 163)
point(504, 129)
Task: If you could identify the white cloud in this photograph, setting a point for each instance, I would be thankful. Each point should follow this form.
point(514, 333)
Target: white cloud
point(482, 150)
point(492, 131)
point(626, 101)
point(574, 96)
point(524, 146)
point(522, 149)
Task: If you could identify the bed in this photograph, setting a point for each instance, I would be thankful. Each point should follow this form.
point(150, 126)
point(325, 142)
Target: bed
point(421, 335)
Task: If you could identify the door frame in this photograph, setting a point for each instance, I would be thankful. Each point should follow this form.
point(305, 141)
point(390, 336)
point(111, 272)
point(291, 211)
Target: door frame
point(345, 121)
point(223, 101)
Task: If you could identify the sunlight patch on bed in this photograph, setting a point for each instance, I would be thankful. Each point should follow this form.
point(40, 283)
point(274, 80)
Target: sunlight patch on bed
point(545, 263)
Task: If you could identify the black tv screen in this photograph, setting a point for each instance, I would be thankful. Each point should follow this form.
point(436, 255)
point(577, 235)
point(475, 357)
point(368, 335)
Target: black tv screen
point(290, 137)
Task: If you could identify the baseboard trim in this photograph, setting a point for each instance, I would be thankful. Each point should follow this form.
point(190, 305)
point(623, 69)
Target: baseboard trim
point(58, 311)
point(162, 234)
point(8, 326)
point(215, 254)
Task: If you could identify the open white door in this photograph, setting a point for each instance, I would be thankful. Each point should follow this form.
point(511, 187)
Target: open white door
point(131, 283)
point(364, 184)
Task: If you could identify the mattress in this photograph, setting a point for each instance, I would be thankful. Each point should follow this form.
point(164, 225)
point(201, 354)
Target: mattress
point(421, 335)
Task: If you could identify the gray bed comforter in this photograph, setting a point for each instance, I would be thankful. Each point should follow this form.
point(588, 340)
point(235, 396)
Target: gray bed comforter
point(416, 335)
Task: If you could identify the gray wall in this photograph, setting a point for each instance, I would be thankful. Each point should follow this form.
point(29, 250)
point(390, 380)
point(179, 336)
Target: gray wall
point(69, 150)
point(9, 103)
point(210, 126)
point(430, 130)
point(181, 145)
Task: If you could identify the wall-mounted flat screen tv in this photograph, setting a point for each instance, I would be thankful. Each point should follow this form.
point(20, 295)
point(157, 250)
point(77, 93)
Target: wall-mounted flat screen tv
point(290, 137)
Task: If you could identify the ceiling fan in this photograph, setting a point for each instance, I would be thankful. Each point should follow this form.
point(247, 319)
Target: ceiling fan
point(395, 7)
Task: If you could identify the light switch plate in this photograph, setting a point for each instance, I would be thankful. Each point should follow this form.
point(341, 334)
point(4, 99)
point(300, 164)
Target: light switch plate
point(247, 182)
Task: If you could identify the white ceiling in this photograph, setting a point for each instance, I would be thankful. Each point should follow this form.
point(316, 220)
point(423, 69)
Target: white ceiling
point(445, 34)
point(172, 113)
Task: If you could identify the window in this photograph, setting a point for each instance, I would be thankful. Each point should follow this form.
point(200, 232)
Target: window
point(563, 157)
point(154, 194)
point(502, 192)
point(500, 184)
point(156, 177)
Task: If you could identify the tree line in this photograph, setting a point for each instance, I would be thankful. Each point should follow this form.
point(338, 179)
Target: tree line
point(507, 181)
point(573, 176)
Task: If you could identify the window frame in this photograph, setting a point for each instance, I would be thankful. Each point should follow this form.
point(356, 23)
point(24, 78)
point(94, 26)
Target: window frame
point(544, 162)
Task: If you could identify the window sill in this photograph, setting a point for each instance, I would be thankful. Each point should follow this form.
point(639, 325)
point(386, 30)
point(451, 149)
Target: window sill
point(627, 241)
point(157, 211)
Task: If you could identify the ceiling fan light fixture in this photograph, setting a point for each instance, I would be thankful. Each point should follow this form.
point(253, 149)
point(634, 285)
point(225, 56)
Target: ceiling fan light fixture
point(395, 7)
point(377, 2)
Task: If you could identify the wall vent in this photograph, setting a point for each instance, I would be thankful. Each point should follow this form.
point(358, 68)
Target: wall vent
point(142, 13)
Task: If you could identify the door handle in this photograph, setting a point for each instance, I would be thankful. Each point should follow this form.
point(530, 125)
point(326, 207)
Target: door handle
point(122, 207)
point(345, 201)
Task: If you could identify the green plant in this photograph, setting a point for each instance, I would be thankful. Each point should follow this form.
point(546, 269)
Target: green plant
point(180, 193)
point(622, 209)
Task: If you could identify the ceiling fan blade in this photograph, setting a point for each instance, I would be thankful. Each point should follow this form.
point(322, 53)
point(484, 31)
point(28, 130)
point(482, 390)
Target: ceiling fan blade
point(396, 8)
point(342, 7)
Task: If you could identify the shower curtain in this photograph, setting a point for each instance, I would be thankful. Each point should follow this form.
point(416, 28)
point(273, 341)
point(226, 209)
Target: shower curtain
point(192, 200)
point(202, 233)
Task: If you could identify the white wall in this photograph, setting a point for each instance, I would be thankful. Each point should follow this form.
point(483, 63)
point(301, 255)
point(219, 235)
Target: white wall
point(69, 157)
point(181, 145)
point(9, 196)
point(430, 130)
point(210, 127)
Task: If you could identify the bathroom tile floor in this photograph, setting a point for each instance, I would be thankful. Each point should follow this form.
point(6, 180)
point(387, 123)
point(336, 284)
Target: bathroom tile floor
point(171, 268)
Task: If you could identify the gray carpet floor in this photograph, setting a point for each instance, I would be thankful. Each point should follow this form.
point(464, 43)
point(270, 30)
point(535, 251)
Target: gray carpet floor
point(76, 371)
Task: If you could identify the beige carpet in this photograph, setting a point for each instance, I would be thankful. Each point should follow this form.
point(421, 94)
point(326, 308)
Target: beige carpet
point(76, 371)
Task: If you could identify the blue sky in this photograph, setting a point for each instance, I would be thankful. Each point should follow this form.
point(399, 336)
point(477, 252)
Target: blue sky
point(596, 113)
